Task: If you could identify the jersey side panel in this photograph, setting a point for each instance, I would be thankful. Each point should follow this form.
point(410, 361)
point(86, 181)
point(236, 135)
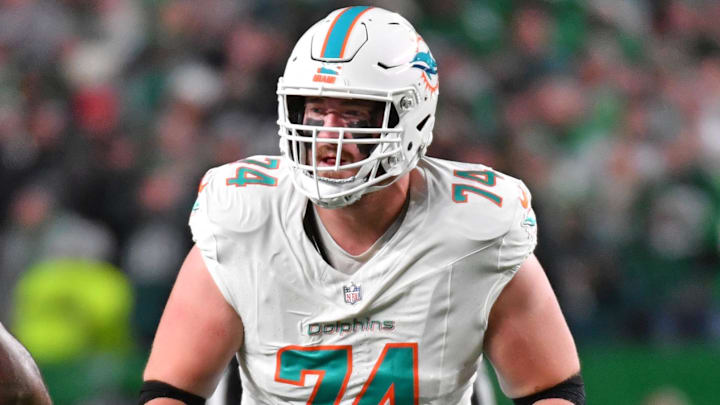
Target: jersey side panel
point(467, 239)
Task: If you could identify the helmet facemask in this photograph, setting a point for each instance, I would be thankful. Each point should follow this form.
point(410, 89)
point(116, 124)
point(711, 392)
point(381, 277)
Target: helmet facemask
point(379, 141)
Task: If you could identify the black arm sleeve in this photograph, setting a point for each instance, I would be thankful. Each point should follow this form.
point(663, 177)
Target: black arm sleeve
point(572, 389)
point(158, 389)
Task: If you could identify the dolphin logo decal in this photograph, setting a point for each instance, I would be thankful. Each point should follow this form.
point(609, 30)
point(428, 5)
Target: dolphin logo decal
point(425, 61)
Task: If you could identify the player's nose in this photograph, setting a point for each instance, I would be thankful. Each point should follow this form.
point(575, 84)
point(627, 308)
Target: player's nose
point(331, 119)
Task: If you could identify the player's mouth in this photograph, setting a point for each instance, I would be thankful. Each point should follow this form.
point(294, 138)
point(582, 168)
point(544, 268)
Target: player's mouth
point(331, 161)
point(328, 157)
point(328, 161)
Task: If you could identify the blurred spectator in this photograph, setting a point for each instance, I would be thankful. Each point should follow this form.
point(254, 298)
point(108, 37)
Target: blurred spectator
point(74, 316)
point(84, 305)
point(39, 230)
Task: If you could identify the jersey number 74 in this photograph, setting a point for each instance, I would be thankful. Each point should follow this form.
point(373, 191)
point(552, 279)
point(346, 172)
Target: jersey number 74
point(394, 377)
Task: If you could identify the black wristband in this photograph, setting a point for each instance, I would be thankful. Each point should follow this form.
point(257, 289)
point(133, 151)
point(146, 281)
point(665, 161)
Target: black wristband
point(158, 389)
point(572, 389)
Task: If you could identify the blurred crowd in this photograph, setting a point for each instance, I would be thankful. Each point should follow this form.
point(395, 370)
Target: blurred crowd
point(112, 110)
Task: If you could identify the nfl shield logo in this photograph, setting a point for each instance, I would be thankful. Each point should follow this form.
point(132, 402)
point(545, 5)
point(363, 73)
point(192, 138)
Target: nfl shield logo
point(352, 293)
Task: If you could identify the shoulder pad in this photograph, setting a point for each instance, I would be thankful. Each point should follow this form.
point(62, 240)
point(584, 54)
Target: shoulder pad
point(240, 195)
point(480, 202)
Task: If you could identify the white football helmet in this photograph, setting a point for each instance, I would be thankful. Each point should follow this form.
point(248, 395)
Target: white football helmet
point(362, 53)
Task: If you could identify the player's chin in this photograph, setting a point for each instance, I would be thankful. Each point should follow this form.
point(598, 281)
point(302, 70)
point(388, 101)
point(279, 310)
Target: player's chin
point(338, 174)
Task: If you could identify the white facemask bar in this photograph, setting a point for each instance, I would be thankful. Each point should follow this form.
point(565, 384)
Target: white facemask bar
point(360, 93)
point(339, 192)
point(308, 177)
point(385, 138)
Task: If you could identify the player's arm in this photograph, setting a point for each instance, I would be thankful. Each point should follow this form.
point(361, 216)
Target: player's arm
point(528, 340)
point(20, 379)
point(197, 336)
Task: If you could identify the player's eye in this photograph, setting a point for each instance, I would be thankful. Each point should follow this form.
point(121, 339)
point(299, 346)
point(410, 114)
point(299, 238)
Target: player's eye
point(356, 114)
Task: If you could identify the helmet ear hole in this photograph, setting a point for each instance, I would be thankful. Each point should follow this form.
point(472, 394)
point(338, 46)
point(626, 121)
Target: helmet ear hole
point(422, 123)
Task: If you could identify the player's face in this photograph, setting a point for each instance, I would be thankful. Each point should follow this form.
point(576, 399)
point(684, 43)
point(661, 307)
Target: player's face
point(334, 112)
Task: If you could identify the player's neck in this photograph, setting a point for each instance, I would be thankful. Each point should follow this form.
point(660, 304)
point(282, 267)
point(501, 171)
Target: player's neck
point(355, 228)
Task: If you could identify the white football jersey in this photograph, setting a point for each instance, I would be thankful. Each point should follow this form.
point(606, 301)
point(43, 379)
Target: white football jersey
point(405, 328)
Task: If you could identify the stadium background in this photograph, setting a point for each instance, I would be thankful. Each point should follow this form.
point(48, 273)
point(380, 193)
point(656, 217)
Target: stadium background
point(111, 111)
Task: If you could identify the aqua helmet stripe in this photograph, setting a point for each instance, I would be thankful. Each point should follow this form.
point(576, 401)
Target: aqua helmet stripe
point(340, 30)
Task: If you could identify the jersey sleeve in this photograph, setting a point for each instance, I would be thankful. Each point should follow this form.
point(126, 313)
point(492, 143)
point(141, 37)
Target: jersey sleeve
point(520, 239)
point(205, 229)
point(515, 246)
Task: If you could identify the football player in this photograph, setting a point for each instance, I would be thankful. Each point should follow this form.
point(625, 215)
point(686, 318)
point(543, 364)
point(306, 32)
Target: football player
point(352, 268)
point(20, 379)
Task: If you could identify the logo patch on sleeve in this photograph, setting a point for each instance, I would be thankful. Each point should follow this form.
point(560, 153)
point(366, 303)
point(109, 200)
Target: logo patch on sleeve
point(195, 207)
